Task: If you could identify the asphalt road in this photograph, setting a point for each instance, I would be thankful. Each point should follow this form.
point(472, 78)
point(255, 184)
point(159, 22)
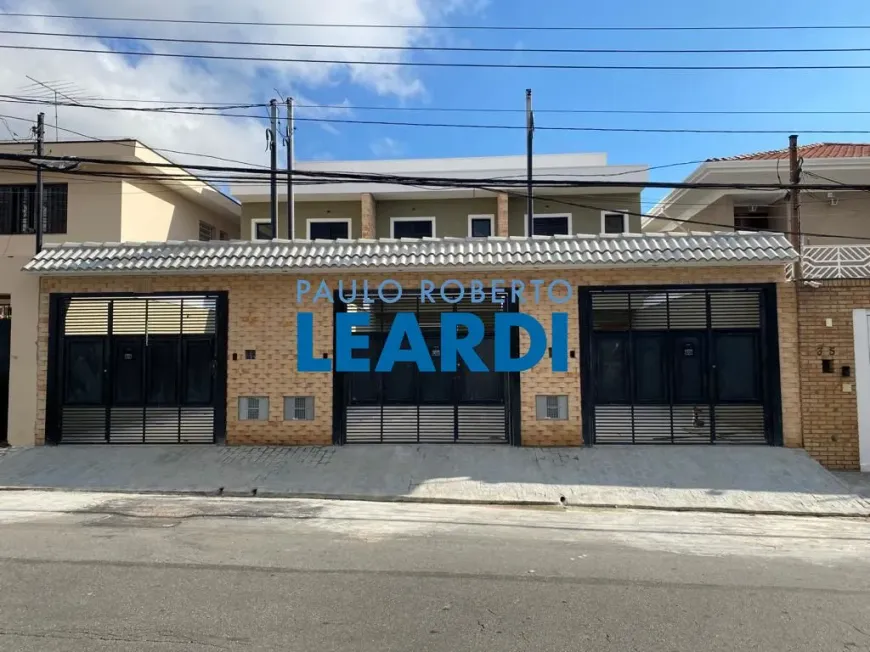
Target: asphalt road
point(88, 572)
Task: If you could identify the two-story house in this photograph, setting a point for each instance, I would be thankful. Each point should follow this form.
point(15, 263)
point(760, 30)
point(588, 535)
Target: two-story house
point(96, 203)
point(830, 217)
point(833, 296)
point(640, 339)
point(379, 210)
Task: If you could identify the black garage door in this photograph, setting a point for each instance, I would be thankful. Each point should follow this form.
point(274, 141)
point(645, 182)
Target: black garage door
point(688, 365)
point(137, 369)
point(408, 406)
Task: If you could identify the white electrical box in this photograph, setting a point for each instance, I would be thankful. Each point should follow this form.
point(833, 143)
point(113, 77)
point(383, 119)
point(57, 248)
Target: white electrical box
point(829, 322)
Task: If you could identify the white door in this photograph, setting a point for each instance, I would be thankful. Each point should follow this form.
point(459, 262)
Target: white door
point(861, 324)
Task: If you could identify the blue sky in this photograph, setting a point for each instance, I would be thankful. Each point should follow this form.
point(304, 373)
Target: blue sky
point(148, 78)
point(668, 90)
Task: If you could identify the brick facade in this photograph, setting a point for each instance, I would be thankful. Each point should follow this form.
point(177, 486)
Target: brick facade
point(829, 402)
point(262, 316)
point(502, 227)
point(369, 216)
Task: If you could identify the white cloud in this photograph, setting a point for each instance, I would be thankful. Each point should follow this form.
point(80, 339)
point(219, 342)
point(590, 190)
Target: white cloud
point(386, 147)
point(198, 82)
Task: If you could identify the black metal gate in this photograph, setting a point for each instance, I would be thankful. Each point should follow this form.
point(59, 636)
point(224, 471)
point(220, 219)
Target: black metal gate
point(409, 406)
point(688, 365)
point(137, 369)
point(5, 348)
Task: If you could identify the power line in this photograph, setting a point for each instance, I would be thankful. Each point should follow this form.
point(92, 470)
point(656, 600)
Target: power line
point(453, 125)
point(486, 185)
point(156, 149)
point(437, 48)
point(516, 28)
point(458, 182)
point(416, 182)
point(433, 64)
point(216, 106)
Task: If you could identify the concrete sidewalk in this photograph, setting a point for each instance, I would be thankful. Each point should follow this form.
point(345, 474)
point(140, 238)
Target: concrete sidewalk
point(733, 479)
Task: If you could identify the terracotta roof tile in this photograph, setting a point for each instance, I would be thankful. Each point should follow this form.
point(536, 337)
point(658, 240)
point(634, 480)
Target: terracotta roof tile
point(815, 150)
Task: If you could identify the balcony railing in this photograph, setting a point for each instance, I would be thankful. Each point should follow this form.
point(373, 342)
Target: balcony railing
point(821, 262)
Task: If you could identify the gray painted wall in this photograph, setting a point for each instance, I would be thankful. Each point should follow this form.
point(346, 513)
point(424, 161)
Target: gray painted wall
point(451, 215)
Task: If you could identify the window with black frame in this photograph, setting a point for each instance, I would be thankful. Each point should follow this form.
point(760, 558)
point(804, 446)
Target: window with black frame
point(18, 209)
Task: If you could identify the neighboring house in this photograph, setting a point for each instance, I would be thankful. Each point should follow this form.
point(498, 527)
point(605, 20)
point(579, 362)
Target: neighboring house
point(670, 339)
point(378, 210)
point(837, 217)
point(833, 296)
point(80, 207)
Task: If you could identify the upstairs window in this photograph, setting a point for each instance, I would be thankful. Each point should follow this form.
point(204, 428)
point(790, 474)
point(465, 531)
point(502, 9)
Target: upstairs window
point(751, 219)
point(261, 229)
point(412, 227)
point(336, 229)
point(480, 226)
point(206, 231)
point(548, 225)
point(614, 222)
point(18, 209)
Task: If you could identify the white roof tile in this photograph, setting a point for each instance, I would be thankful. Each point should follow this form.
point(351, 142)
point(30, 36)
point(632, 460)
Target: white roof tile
point(301, 255)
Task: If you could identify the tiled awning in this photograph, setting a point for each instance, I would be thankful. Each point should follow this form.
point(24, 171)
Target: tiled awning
point(558, 252)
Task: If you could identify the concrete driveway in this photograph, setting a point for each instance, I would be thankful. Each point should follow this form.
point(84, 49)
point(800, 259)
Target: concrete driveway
point(729, 478)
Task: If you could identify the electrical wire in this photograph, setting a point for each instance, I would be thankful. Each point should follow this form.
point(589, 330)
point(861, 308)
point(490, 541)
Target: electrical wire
point(469, 109)
point(452, 125)
point(434, 48)
point(431, 64)
point(466, 183)
point(518, 28)
point(116, 142)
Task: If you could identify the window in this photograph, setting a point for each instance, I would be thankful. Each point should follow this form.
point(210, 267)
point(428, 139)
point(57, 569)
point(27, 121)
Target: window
point(17, 205)
point(262, 229)
point(298, 408)
point(224, 235)
point(614, 222)
point(412, 227)
point(547, 225)
point(751, 218)
point(335, 229)
point(751, 223)
point(206, 231)
point(253, 408)
point(551, 408)
point(480, 226)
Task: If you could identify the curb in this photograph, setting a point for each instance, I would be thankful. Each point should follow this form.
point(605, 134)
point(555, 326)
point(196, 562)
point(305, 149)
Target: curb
point(255, 493)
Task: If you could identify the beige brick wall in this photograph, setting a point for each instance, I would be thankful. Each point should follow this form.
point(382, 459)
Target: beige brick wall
point(262, 316)
point(830, 415)
point(369, 216)
point(502, 227)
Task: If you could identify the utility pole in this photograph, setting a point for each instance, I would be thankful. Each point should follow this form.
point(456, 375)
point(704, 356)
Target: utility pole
point(273, 153)
point(794, 204)
point(40, 190)
point(530, 138)
point(291, 199)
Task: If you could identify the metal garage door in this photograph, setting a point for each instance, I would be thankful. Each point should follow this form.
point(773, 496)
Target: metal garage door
point(679, 366)
point(408, 406)
point(137, 370)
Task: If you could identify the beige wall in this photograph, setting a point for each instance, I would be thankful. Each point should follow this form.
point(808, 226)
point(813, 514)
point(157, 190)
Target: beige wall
point(93, 214)
point(719, 213)
point(153, 213)
point(848, 221)
point(451, 215)
point(98, 210)
point(303, 212)
point(262, 316)
point(583, 220)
